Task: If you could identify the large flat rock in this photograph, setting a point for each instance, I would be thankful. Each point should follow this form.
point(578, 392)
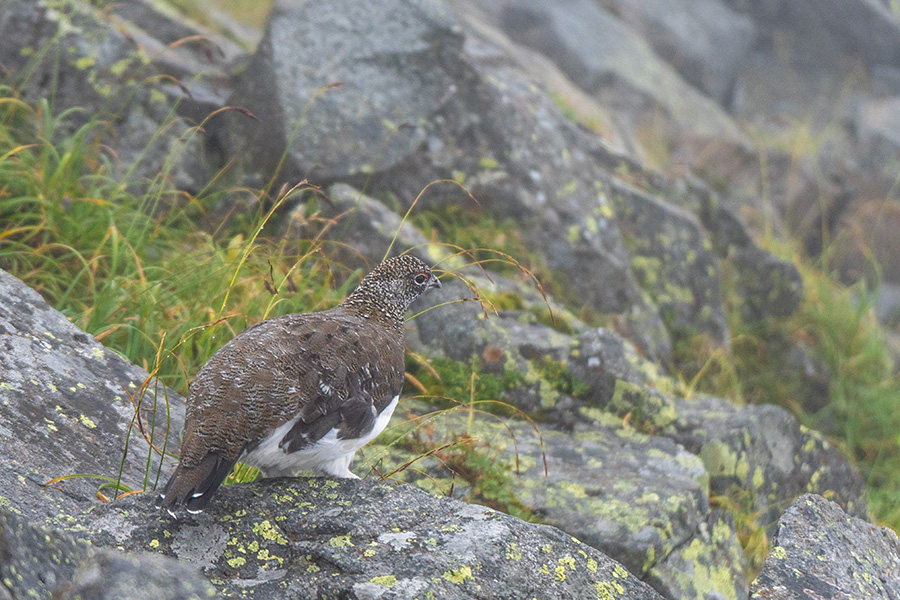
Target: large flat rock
point(318, 538)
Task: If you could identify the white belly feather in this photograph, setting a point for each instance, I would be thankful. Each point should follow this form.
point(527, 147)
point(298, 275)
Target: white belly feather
point(329, 454)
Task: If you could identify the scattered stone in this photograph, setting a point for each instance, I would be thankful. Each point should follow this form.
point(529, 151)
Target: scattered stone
point(762, 453)
point(451, 102)
point(820, 551)
point(705, 41)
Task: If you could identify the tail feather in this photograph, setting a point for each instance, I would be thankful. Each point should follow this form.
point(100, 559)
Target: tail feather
point(194, 487)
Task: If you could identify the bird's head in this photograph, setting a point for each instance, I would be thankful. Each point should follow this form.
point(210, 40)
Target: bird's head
point(391, 287)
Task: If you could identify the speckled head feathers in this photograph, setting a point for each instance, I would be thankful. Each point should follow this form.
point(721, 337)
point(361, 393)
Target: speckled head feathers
point(391, 286)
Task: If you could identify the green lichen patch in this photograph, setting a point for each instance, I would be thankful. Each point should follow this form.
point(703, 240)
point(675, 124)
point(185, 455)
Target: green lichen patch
point(647, 409)
point(339, 541)
point(267, 531)
point(387, 581)
point(458, 576)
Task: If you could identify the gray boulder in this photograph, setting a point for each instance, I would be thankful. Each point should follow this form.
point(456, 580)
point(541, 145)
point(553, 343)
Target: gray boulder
point(766, 285)
point(444, 115)
point(411, 48)
point(619, 381)
point(762, 451)
point(671, 257)
point(878, 126)
point(68, 410)
point(821, 552)
point(314, 538)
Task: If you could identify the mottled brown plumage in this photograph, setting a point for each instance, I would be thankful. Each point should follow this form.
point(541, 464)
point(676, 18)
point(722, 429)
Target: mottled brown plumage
point(298, 392)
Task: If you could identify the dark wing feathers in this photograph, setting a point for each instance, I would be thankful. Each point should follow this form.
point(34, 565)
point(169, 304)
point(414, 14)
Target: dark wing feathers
point(354, 418)
point(357, 418)
point(303, 433)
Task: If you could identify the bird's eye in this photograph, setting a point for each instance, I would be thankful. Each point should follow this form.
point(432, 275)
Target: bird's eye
point(421, 278)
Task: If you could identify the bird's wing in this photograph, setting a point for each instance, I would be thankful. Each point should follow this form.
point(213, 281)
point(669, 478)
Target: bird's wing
point(358, 371)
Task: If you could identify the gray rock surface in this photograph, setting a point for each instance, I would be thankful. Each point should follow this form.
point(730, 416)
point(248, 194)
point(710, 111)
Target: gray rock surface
point(761, 450)
point(767, 285)
point(642, 500)
point(64, 393)
point(365, 228)
point(821, 552)
point(620, 381)
point(514, 344)
point(410, 47)
point(878, 124)
point(867, 28)
point(672, 258)
point(38, 562)
point(708, 565)
point(314, 538)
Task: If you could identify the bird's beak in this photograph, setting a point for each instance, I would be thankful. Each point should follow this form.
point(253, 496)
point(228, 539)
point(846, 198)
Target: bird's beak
point(433, 282)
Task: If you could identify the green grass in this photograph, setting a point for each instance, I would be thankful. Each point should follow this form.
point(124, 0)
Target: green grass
point(864, 390)
point(138, 272)
point(143, 277)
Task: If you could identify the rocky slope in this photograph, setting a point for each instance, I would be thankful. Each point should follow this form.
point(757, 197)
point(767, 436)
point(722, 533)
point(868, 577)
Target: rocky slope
point(433, 90)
